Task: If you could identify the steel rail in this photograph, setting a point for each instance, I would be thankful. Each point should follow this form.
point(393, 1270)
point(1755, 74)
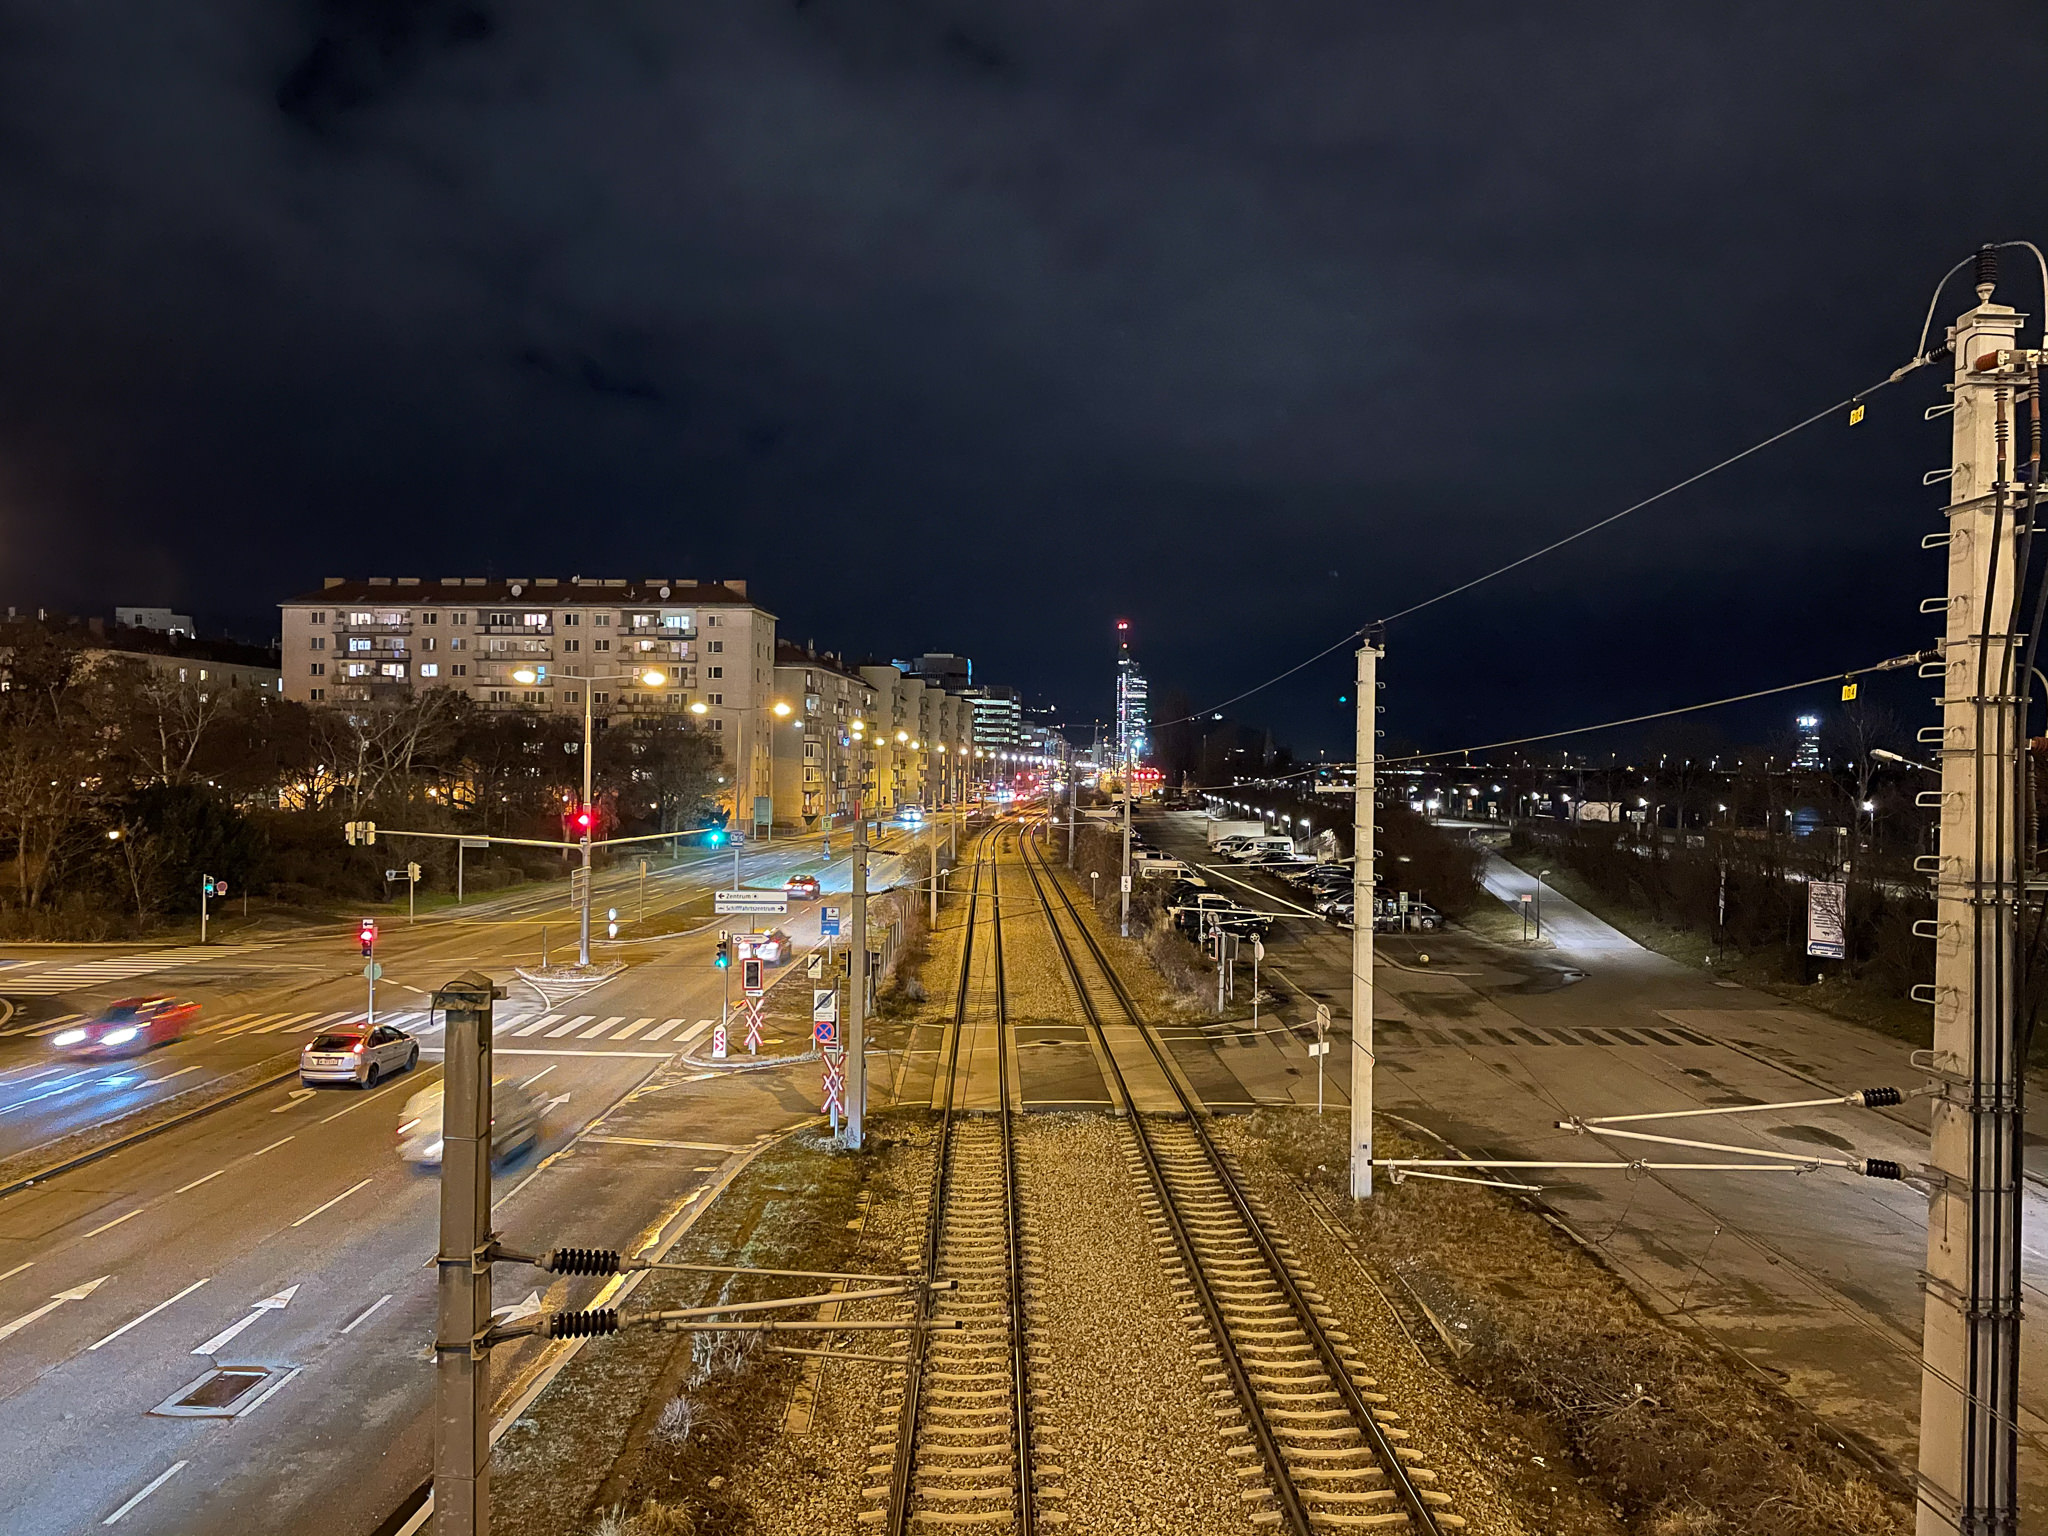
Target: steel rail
point(1340, 1375)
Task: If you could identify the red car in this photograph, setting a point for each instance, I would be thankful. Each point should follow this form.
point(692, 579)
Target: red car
point(805, 886)
point(129, 1027)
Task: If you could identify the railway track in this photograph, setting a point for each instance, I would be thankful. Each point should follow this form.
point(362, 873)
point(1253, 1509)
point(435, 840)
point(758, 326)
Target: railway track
point(1315, 1447)
point(962, 1453)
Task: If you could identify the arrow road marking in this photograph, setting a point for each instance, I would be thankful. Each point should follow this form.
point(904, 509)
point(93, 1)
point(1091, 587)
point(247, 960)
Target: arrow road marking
point(227, 1335)
point(76, 1293)
point(525, 1309)
point(299, 1096)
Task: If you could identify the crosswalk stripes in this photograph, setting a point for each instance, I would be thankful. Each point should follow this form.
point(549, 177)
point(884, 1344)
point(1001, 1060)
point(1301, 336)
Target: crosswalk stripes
point(693, 1031)
point(587, 1026)
point(539, 1024)
point(600, 1027)
point(69, 978)
point(632, 1029)
point(48, 1026)
point(655, 1034)
point(576, 1023)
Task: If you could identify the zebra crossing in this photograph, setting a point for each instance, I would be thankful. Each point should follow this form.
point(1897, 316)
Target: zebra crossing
point(419, 1021)
point(88, 973)
point(1519, 1035)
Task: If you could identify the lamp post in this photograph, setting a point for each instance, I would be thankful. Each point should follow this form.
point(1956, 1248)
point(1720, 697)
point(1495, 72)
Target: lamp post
point(651, 678)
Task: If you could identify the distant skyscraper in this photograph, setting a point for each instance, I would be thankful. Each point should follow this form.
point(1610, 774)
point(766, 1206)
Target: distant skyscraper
point(1133, 709)
point(1807, 755)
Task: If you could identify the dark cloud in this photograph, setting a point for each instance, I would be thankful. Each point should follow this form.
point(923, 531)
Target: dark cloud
point(974, 327)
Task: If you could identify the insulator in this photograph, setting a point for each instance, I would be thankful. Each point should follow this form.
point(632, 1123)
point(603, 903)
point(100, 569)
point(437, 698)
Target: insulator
point(1880, 1098)
point(1882, 1168)
point(580, 1261)
point(1987, 266)
point(583, 1325)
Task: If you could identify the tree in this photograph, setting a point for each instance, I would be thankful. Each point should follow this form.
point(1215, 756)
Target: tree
point(664, 768)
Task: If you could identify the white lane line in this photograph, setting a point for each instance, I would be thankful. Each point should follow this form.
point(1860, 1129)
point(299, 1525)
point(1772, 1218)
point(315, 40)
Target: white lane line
point(576, 1023)
point(632, 1029)
point(364, 1315)
point(359, 1103)
point(30, 1264)
point(694, 1031)
point(199, 1181)
point(582, 1055)
point(109, 1226)
point(540, 1024)
point(330, 1204)
point(48, 1093)
point(601, 1026)
point(269, 1391)
point(543, 1072)
point(271, 1148)
point(179, 1073)
point(155, 1483)
point(152, 1312)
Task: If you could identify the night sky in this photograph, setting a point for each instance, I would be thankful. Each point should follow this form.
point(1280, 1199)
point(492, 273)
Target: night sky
point(976, 327)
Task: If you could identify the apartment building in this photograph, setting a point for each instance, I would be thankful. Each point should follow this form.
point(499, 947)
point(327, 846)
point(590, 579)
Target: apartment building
point(822, 760)
point(542, 643)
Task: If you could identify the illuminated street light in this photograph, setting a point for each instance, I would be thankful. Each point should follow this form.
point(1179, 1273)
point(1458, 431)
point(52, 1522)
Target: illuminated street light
point(781, 709)
point(699, 708)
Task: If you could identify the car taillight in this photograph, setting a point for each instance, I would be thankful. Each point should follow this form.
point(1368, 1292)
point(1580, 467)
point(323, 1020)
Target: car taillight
point(356, 1049)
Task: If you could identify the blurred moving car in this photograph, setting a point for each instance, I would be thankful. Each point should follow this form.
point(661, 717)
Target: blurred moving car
point(515, 1123)
point(803, 887)
point(770, 945)
point(357, 1053)
point(129, 1027)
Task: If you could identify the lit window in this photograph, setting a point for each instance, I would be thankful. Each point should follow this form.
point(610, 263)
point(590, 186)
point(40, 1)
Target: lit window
point(535, 620)
point(430, 669)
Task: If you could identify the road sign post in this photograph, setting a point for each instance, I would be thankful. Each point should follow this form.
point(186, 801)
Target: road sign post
point(1362, 918)
point(749, 903)
point(1321, 1049)
point(856, 1085)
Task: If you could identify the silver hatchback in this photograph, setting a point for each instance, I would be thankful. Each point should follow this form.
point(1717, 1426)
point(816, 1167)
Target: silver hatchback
point(357, 1053)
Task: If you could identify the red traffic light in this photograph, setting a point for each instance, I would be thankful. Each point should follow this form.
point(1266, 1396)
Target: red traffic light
point(366, 934)
point(580, 819)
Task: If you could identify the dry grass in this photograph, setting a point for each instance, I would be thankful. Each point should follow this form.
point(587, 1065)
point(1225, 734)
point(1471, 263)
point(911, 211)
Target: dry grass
point(1684, 1441)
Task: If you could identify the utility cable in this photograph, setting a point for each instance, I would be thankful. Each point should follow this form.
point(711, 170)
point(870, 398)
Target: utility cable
point(1891, 665)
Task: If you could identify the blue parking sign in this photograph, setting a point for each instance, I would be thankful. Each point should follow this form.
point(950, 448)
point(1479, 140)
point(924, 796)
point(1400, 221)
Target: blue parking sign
point(828, 923)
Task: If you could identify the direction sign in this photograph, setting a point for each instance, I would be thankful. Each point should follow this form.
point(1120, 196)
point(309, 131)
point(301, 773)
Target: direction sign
point(750, 903)
point(475, 842)
point(828, 923)
point(1320, 1048)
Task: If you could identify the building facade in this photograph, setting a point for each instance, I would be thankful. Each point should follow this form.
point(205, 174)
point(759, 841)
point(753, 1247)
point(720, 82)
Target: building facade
point(541, 643)
point(822, 763)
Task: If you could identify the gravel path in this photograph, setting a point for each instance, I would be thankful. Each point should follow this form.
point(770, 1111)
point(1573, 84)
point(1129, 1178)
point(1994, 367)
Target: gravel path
point(1113, 1363)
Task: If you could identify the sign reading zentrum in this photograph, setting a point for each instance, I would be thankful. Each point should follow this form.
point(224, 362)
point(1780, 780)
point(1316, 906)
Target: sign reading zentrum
point(750, 903)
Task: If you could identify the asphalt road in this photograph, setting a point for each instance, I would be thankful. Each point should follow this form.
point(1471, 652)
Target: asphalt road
point(1813, 1277)
point(283, 1234)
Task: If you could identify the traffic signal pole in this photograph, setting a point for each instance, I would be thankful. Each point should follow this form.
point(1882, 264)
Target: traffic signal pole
point(1969, 1392)
point(857, 995)
point(583, 941)
point(462, 1424)
point(1362, 925)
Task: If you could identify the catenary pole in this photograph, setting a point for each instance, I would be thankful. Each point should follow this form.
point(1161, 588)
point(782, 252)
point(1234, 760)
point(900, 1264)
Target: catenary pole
point(1969, 1394)
point(857, 994)
point(1362, 924)
point(462, 1393)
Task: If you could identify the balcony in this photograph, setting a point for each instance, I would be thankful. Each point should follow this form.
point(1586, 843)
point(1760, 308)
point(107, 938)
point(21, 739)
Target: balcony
point(345, 624)
point(656, 648)
point(515, 629)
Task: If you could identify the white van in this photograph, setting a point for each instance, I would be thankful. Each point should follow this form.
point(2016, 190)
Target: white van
point(1256, 850)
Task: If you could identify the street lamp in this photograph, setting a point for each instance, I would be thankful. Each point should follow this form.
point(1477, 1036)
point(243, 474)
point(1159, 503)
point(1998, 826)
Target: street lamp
point(650, 678)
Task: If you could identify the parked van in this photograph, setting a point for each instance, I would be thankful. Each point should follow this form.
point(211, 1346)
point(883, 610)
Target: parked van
point(1255, 850)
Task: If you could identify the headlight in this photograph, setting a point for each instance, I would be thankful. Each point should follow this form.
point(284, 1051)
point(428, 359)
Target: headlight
point(119, 1036)
point(69, 1037)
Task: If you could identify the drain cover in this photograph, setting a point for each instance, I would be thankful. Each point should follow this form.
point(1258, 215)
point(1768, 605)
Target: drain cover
point(220, 1393)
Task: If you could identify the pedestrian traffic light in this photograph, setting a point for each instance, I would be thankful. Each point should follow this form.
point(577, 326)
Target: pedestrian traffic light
point(750, 974)
point(724, 959)
point(412, 872)
point(366, 934)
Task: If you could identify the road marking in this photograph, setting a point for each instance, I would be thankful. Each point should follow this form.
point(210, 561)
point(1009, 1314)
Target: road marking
point(109, 1226)
point(571, 1051)
point(76, 1293)
point(289, 1021)
point(31, 1264)
point(543, 1072)
point(599, 1028)
point(269, 1391)
point(540, 1024)
point(298, 1097)
point(195, 1183)
point(48, 1093)
point(576, 1023)
point(681, 1146)
point(694, 1031)
point(364, 1315)
point(271, 1148)
point(253, 1020)
point(228, 1335)
point(367, 1098)
point(179, 1073)
point(152, 1312)
point(655, 1034)
point(632, 1029)
point(157, 1482)
point(330, 1204)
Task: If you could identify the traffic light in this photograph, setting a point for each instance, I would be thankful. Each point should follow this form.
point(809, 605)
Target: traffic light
point(750, 974)
point(412, 872)
point(724, 957)
point(713, 838)
point(364, 832)
point(581, 820)
point(366, 934)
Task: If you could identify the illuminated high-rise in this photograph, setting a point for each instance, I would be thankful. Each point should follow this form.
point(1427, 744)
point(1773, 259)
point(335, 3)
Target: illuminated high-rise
point(1133, 708)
